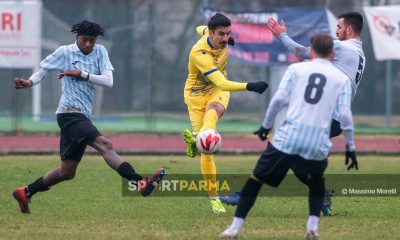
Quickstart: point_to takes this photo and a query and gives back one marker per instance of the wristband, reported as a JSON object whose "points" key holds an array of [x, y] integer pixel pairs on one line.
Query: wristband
{"points": [[85, 75]]}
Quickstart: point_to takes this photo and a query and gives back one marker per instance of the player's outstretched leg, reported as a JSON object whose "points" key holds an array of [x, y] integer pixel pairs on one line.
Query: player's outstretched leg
{"points": [[147, 184], [232, 200], [190, 140], [327, 205], [23, 201]]}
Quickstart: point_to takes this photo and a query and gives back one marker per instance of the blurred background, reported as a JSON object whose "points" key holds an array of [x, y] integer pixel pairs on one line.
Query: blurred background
{"points": [[149, 42]]}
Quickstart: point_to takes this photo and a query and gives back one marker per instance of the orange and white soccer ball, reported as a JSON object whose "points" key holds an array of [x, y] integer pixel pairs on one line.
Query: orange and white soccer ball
{"points": [[208, 141]]}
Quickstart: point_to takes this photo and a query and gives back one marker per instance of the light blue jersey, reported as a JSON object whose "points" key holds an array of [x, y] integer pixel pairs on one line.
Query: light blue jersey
{"points": [[312, 90], [350, 60], [349, 57], [77, 96]]}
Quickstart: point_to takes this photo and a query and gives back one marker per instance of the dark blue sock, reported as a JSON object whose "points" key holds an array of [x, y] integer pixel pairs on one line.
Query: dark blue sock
{"points": [[316, 195], [248, 197]]}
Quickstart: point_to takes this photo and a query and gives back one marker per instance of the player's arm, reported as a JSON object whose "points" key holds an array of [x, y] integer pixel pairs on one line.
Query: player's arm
{"points": [[204, 63], [202, 30], [105, 79], [54, 61], [279, 31], [221, 82], [346, 124], [215, 76], [343, 106], [36, 78]]}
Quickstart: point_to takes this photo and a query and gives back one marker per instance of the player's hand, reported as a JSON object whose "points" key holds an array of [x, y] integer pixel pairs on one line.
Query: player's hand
{"points": [[20, 83], [352, 159], [276, 28], [70, 73], [258, 87], [299, 58], [262, 133]]}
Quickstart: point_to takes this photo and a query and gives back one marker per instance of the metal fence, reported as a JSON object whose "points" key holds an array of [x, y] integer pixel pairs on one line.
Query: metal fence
{"points": [[149, 43]]}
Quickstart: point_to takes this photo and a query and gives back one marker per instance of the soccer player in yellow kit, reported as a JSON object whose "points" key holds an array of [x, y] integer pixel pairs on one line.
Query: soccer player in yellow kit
{"points": [[207, 94]]}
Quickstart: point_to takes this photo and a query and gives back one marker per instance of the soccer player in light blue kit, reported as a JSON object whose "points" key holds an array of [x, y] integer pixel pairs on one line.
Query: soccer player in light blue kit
{"points": [[82, 65], [349, 55], [349, 58], [312, 90]]}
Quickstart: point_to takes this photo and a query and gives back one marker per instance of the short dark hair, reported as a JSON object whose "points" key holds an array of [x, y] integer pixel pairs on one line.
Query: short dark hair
{"points": [[218, 20], [353, 19], [322, 44], [87, 28]]}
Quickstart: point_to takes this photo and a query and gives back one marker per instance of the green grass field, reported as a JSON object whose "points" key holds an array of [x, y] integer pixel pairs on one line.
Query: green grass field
{"points": [[92, 207]]}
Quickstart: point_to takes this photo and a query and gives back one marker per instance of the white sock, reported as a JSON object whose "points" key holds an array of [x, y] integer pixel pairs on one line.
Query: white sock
{"points": [[312, 223], [214, 198], [237, 223]]}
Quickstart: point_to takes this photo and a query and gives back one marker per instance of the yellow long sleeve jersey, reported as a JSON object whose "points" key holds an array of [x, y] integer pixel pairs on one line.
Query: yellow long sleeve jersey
{"points": [[207, 68]]}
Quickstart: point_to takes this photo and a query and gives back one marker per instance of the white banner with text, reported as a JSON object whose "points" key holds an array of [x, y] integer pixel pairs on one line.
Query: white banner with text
{"points": [[20, 34]]}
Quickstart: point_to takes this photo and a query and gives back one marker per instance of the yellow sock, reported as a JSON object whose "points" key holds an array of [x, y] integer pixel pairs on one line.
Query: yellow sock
{"points": [[209, 172], [210, 120]]}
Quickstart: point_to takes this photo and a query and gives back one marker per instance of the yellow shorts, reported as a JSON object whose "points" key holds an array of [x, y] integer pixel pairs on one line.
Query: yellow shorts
{"points": [[197, 106]]}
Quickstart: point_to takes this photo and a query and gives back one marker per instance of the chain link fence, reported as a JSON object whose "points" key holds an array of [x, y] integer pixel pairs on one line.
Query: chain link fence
{"points": [[149, 44]]}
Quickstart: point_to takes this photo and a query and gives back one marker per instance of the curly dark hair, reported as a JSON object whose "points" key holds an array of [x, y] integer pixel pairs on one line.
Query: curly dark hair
{"points": [[87, 28]]}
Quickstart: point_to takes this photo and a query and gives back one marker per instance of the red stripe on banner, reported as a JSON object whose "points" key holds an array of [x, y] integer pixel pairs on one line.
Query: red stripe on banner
{"points": [[251, 33], [258, 57]]}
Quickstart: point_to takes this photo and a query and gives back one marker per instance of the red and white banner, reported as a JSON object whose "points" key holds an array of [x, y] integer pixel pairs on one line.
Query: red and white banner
{"points": [[384, 25], [20, 34]]}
